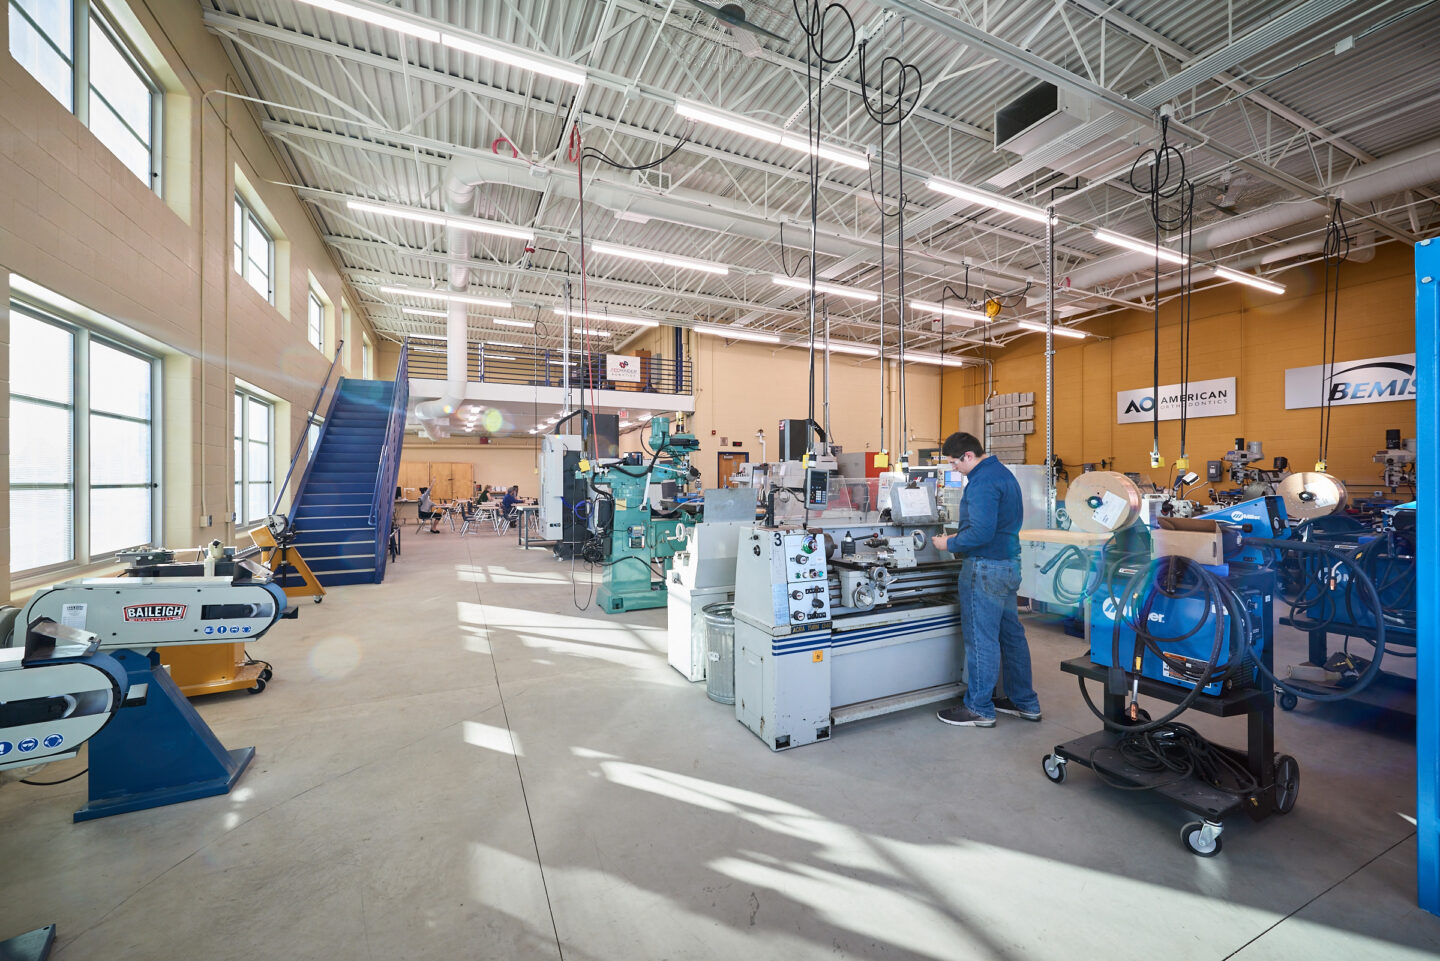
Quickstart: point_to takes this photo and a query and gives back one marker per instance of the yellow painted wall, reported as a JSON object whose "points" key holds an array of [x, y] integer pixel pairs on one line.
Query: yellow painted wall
{"points": [[74, 220], [1236, 331]]}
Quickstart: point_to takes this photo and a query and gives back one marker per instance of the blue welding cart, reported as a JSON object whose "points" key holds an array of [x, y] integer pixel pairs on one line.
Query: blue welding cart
{"points": [[1238, 690]]}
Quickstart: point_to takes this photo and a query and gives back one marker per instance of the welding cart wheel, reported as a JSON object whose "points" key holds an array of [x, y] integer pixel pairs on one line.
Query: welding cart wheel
{"points": [[266, 674], [259, 686], [1288, 701], [1199, 842], [1287, 783], [1054, 767], [318, 598]]}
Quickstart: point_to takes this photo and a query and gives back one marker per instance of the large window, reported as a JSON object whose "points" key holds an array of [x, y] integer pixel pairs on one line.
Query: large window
{"points": [[315, 320], [100, 80], [82, 444], [254, 427], [254, 250], [367, 366]]}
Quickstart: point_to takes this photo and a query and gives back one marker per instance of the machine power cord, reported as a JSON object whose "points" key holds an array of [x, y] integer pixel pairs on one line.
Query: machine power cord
{"points": [[53, 783], [1182, 751]]}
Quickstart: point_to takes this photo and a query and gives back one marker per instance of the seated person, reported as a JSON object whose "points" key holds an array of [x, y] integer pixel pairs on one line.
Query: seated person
{"points": [[428, 510], [482, 494], [508, 502]]}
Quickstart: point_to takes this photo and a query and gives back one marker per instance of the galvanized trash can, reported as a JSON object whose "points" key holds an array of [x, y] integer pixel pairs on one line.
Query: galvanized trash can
{"points": [[720, 652]]}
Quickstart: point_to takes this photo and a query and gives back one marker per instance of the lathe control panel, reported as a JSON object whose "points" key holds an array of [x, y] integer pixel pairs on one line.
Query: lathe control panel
{"points": [[797, 561]]}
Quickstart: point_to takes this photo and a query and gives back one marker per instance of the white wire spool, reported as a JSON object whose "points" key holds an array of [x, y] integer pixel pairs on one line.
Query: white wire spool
{"points": [[1102, 501], [1311, 494]]}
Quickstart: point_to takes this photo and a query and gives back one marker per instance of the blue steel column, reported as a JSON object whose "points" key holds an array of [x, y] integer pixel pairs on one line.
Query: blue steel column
{"points": [[1427, 425]]}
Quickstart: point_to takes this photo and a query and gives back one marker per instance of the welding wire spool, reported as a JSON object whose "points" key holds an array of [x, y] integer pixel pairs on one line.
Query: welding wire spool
{"points": [[1310, 494], [1087, 493]]}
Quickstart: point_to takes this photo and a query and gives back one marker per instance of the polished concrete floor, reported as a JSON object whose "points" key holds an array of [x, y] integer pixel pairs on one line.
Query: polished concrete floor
{"points": [[466, 762]]}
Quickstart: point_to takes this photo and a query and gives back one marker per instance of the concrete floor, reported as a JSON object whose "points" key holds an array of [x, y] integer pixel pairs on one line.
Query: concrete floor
{"points": [[459, 763]]}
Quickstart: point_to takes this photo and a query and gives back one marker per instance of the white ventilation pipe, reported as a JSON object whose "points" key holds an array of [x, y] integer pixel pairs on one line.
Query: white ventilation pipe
{"points": [[1404, 170], [434, 415]]}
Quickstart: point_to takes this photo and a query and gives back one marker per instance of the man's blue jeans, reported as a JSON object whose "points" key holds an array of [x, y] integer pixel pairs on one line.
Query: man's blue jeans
{"points": [[994, 635]]}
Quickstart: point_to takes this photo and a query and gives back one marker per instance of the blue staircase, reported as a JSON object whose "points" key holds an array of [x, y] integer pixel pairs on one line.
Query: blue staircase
{"points": [[340, 531]]}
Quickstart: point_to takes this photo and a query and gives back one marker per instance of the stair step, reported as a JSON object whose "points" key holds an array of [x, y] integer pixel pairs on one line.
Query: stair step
{"points": [[341, 579], [328, 538], [332, 499]]}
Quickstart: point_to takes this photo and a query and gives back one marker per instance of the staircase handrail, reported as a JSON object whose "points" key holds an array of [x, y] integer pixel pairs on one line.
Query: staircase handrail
{"points": [[389, 465], [309, 420]]}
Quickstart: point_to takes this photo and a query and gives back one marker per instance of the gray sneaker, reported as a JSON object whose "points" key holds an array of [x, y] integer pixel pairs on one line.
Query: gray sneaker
{"points": [[1006, 706], [962, 716]]}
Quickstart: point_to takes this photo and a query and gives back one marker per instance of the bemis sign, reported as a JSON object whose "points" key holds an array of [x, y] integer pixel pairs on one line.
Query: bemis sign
{"points": [[1204, 398], [1376, 380]]}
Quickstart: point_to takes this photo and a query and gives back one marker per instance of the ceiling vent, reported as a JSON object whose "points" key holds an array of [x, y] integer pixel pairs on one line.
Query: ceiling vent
{"points": [[656, 180], [1040, 115]]}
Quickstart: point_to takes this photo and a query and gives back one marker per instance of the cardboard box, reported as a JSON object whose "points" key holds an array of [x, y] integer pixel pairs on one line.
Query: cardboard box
{"points": [[1203, 547]]}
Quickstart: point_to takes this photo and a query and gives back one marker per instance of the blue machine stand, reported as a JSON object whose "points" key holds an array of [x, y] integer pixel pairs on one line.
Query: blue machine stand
{"points": [[30, 946], [158, 751]]}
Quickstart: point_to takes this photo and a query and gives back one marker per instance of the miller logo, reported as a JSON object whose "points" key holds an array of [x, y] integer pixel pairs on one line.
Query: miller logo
{"points": [[155, 612]]}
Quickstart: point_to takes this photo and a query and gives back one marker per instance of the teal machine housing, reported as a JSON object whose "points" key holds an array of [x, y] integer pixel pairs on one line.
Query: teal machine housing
{"points": [[639, 539]]}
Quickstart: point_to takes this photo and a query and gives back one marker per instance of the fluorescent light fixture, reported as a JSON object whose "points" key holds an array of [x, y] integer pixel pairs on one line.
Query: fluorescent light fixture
{"points": [[859, 350], [1130, 243], [960, 313], [994, 201], [656, 257], [561, 363], [512, 323], [368, 15], [1040, 328], [426, 217], [934, 360], [772, 135], [422, 313], [498, 357], [447, 296], [591, 315], [1249, 280], [427, 350], [498, 343], [490, 51], [591, 333], [534, 430], [823, 288], [426, 337], [626, 423], [736, 333]]}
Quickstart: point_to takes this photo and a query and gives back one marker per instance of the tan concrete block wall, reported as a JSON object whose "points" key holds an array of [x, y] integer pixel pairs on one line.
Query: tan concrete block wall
{"points": [[73, 219]]}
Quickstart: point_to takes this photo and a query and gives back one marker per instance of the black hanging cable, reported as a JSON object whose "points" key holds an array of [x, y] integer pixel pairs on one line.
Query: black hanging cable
{"points": [[1166, 183], [1336, 252], [888, 113]]}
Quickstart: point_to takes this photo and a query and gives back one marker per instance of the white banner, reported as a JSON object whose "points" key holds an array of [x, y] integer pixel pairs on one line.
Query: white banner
{"points": [[622, 368], [1206, 398], [1375, 380]]}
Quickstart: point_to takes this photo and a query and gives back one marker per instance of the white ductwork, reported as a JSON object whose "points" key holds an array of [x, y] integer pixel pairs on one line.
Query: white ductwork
{"points": [[1404, 170], [434, 415]]}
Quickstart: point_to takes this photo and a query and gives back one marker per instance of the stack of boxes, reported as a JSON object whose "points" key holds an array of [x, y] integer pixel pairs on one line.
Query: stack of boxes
{"points": [[1009, 419]]}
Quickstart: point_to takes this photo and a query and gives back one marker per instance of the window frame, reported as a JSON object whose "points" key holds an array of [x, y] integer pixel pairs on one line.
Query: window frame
{"points": [[315, 326], [78, 60], [82, 336], [246, 215], [243, 397]]}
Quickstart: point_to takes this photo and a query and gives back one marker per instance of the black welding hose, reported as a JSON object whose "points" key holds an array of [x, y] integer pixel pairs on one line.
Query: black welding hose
{"points": [[1358, 575]]}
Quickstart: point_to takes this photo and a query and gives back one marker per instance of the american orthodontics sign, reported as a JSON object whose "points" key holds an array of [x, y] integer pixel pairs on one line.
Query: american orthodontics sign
{"points": [[1203, 398], [1375, 380]]}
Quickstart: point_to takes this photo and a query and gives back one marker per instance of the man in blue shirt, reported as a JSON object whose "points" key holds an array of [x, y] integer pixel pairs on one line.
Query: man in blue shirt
{"points": [[988, 543], [508, 502]]}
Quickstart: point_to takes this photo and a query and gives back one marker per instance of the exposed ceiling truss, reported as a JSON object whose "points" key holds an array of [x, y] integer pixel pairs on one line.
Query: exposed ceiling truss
{"points": [[1275, 104]]}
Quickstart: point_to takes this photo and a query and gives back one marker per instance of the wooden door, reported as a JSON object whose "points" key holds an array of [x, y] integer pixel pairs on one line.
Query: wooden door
{"points": [[462, 478], [441, 481], [729, 463], [413, 476]]}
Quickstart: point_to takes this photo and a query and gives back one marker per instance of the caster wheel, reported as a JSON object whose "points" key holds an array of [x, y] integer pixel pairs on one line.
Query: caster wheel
{"points": [[1200, 841], [1287, 783], [1054, 768], [259, 686], [266, 674], [1288, 701], [319, 599]]}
